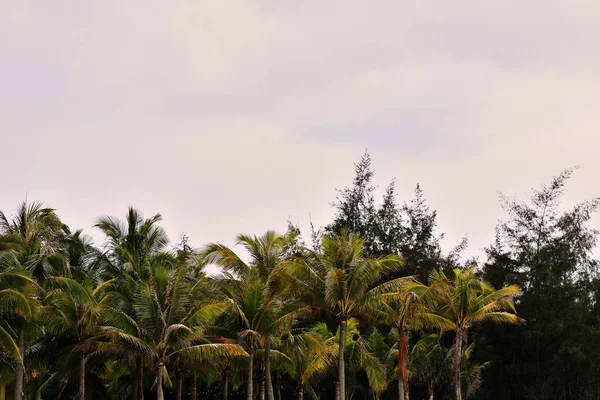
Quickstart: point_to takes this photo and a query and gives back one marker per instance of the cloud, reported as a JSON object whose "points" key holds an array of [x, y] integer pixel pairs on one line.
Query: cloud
{"points": [[233, 117]]}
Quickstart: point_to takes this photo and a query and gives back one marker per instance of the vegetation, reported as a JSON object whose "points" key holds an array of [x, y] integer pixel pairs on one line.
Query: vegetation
{"points": [[372, 309]]}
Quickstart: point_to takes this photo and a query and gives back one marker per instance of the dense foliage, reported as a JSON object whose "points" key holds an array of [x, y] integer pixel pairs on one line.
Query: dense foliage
{"points": [[372, 308]]}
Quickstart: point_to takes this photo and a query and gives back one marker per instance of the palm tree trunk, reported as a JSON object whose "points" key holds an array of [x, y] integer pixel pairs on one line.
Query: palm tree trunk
{"points": [[194, 386], [2, 391], [277, 386], [402, 360], [262, 388], [457, 357], [141, 378], [341, 366], [269, 382], [19, 394], [179, 384], [159, 381], [225, 385], [250, 375], [400, 389], [134, 384], [82, 376], [300, 392]]}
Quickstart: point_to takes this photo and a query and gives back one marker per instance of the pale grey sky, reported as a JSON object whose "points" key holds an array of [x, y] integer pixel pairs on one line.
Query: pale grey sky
{"points": [[231, 116]]}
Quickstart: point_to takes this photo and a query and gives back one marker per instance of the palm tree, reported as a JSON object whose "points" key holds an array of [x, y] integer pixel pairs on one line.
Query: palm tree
{"points": [[18, 307], [340, 280], [15, 292], [32, 241], [429, 361], [366, 353], [130, 246], [471, 370], [259, 313], [308, 354], [171, 317], [35, 237], [6, 372], [255, 317], [132, 243], [402, 310], [455, 305], [433, 364], [76, 309]]}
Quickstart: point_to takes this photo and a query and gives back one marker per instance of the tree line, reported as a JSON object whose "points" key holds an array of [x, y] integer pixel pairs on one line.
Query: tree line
{"points": [[366, 307]]}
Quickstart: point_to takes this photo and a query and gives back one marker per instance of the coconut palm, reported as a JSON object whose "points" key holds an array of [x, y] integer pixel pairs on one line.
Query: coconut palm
{"points": [[456, 305], [255, 317], [35, 238], [18, 308], [340, 280], [471, 370], [130, 247], [76, 309], [15, 302], [401, 310], [260, 313], [131, 243], [6, 373], [171, 316], [365, 353], [430, 362], [85, 261], [31, 241], [309, 353]]}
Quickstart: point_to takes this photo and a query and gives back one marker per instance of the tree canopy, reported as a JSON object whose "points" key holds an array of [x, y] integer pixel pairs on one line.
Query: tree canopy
{"points": [[375, 307]]}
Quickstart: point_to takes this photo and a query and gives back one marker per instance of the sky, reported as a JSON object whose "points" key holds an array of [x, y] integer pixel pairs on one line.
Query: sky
{"points": [[235, 116]]}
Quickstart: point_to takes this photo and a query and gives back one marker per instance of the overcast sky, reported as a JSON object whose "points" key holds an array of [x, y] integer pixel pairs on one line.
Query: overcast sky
{"points": [[233, 116]]}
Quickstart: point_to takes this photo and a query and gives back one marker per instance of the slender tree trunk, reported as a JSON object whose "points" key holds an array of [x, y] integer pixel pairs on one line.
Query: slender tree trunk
{"points": [[300, 393], [82, 376], [250, 375], [194, 386], [159, 381], [402, 360], [179, 383], [277, 386], [400, 389], [430, 393], [225, 385], [262, 388], [38, 395], [269, 382], [2, 391], [457, 358], [341, 366], [141, 378], [19, 393], [135, 383]]}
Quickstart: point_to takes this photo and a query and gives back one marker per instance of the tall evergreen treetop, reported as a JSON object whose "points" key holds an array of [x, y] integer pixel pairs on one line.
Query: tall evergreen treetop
{"points": [[355, 205]]}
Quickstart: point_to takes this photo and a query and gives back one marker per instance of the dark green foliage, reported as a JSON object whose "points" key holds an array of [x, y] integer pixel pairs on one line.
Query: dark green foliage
{"points": [[408, 229], [355, 207], [141, 312], [546, 250]]}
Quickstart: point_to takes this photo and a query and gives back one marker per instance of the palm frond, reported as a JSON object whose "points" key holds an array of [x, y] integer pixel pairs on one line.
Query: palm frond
{"points": [[213, 351]]}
